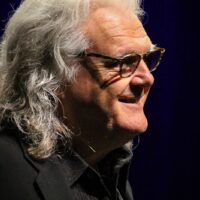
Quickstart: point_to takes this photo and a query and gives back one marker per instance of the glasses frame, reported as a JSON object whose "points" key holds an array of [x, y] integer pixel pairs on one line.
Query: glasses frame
{"points": [[120, 61]]}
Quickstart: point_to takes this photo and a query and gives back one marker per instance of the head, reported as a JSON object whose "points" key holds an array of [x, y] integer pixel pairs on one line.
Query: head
{"points": [[49, 92], [107, 107]]}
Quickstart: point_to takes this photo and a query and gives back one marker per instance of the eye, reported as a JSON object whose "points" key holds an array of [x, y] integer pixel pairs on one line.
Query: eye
{"points": [[152, 59], [129, 64], [131, 60], [109, 63]]}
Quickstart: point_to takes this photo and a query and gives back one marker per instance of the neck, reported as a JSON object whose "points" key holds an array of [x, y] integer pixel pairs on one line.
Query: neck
{"points": [[94, 151], [91, 153], [93, 142]]}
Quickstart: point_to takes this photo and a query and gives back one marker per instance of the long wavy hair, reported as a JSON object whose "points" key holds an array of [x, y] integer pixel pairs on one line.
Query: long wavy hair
{"points": [[34, 61]]}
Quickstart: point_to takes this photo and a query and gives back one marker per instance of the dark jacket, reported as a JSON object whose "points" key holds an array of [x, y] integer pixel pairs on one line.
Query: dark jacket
{"points": [[23, 178]]}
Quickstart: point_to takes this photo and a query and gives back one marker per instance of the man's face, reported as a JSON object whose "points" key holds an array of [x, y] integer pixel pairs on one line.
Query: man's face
{"points": [[116, 109]]}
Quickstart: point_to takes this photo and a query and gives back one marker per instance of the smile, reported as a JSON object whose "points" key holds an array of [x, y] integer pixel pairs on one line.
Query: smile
{"points": [[126, 99], [136, 95]]}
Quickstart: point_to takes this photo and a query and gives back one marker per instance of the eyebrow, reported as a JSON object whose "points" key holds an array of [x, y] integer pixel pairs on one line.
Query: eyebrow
{"points": [[152, 47], [117, 58]]}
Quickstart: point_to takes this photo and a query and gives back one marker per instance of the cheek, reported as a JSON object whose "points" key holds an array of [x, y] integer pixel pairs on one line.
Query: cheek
{"points": [[87, 95], [82, 89], [87, 88]]}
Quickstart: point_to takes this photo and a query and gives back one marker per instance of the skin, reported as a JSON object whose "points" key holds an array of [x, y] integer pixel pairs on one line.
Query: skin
{"points": [[100, 120]]}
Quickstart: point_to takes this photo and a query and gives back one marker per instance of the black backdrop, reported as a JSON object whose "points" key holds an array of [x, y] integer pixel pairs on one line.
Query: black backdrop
{"points": [[165, 165]]}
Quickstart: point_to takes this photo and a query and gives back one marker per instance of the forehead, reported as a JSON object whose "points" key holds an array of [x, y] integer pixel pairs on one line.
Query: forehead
{"points": [[115, 31]]}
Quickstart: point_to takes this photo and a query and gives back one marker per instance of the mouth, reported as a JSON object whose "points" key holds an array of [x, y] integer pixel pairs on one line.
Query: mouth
{"points": [[132, 98], [127, 99]]}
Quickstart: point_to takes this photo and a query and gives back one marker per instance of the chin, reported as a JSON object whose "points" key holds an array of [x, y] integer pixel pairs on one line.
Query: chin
{"points": [[135, 124]]}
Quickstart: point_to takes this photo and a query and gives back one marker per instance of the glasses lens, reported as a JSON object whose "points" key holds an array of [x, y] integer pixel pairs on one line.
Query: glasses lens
{"points": [[152, 59], [129, 65]]}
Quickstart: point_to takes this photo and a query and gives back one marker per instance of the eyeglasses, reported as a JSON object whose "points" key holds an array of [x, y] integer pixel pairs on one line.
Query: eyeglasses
{"points": [[129, 63]]}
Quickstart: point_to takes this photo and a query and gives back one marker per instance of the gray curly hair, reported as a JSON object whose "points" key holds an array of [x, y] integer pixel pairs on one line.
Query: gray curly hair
{"points": [[34, 60]]}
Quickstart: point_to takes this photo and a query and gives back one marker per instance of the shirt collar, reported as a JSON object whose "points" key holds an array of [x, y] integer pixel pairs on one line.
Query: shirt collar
{"points": [[75, 166]]}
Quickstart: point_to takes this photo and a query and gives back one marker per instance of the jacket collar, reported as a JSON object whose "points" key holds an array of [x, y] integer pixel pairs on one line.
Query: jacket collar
{"points": [[56, 176], [74, 167], [52, 183], [50, 179]]}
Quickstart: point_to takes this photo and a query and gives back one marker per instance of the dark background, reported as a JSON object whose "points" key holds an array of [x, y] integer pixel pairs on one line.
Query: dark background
{"points": [[165, 165]]}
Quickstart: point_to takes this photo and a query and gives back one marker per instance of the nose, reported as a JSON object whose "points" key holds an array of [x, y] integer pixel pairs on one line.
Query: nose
{"points": [[142, 76]]}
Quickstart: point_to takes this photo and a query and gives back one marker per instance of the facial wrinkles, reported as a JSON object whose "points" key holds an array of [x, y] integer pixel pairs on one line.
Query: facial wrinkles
{"points": [[129, 38], [116, 34], [118, 30]]}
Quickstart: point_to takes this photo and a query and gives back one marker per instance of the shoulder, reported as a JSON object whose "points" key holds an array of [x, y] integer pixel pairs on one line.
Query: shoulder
{"points": [[12, 158], [17, 176], [9, 146], [13, 154]]}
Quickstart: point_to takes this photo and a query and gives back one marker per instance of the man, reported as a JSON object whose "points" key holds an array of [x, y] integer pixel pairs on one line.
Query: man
{"points": [[75, 76]]}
